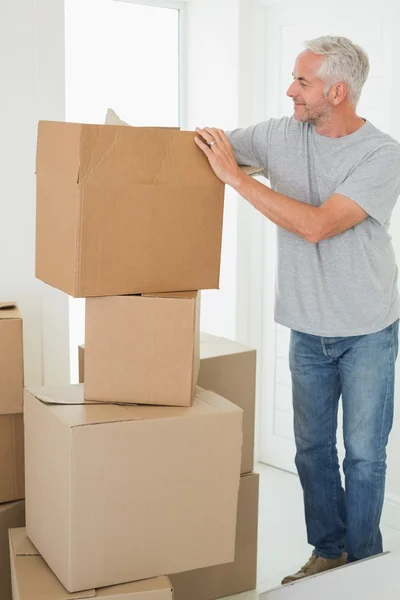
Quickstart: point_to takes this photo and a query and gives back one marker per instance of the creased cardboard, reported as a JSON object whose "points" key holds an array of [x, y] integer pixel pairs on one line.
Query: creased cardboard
{"points": [[229, 369], [11, 458], [125, 210], [142, 349], [121, 493], [11, 515], [34, 580], [11, 359], [239, 576]]}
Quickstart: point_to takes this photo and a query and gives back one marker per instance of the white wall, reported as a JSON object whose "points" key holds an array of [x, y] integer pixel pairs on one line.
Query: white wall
{"points": [[31, 67]]}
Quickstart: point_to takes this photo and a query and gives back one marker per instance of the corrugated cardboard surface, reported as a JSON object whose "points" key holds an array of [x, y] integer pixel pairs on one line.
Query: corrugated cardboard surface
{"points": [[121, 493], [142, 349], [233, 578], [11, 458], [34, 580], [124, 210], [11, 515], [11, 359], [229, 369]]}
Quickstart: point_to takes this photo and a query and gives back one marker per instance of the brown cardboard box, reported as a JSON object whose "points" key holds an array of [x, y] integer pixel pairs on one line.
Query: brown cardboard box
{"points": [[241, 575], [228, 368], [118, 493], [34, 580], [125, 210], [11, 359], [11, 515], [11, 458], [142, 349]]}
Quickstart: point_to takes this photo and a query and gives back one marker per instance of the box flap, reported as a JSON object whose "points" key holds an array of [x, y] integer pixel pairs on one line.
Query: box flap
{"points": [[21, 544], [78, 414], [9, 310], [212, 346], [184, 295], [33, 578], [136, 587]]}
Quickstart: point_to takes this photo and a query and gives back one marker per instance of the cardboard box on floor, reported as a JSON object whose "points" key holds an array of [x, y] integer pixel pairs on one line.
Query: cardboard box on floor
{"points": [[241, 575], [125, 210], [118, 493], [11, 515], [142, 349], [12, 484], [34, 580], [11, 359], [375, 578], [227, 368]]}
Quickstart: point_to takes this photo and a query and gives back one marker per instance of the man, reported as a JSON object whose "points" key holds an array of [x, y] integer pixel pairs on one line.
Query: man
{"points": [[334, 179]]}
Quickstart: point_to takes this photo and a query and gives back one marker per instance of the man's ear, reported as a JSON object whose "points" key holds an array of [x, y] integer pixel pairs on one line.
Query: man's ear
{"points": [[338, 93]]}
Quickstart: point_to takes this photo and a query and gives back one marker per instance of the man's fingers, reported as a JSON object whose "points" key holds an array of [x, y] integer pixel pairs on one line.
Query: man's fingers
{"points": [[205, 134], [203, 146]]}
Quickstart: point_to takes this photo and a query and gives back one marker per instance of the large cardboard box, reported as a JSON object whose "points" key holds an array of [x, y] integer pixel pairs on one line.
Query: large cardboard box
{"points": [[32, 579], [143, 349], [11, 515], [11, 458], [125, 210], [11, 359], [241, 575], [229, 369], [118, 493]]}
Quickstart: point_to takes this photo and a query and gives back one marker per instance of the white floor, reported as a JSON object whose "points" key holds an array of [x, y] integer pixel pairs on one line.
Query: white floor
{"points": [[282, 540]]}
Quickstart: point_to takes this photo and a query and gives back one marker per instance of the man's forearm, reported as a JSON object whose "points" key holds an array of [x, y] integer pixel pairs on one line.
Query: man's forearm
{"points": [[297, 217]]}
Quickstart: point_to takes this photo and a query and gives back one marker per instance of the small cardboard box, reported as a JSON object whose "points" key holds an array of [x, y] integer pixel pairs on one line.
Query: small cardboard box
{"points": [[241, 575], [228, 368], [125, 210], [32, 579], [118, 493], [11, 359], [11, 515], [142, 349], [11, 458]]}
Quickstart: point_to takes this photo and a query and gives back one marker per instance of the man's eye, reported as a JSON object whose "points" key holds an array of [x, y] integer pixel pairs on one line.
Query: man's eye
{"points": [[302, 84]]}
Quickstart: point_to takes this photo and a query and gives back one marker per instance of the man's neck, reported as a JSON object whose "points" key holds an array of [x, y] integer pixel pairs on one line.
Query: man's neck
{"points": [[340, 125]]}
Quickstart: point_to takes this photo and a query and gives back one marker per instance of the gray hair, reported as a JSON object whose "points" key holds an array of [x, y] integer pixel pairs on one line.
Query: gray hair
{"points": [[344, 61]]}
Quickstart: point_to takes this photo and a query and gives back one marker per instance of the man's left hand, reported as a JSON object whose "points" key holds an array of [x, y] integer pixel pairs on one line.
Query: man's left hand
{"points": [[218, 150]]}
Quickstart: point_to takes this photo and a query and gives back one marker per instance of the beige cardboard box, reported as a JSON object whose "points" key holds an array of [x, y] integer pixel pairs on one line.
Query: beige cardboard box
{"points": [[32, 579], [142, 349], [118, 493], [11, 359], [125, 210], [11, 515], [229, 369], [11, 458], [241, 575]]}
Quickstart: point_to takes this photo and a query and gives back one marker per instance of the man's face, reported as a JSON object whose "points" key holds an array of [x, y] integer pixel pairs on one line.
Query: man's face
{"points": [[307, 90]]}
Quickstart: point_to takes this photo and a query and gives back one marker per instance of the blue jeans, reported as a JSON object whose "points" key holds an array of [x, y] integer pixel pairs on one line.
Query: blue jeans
{"points": [[361, 370]]}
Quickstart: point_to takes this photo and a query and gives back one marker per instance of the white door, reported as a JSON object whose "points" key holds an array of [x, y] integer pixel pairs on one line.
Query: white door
{"points": [[372, 25]]}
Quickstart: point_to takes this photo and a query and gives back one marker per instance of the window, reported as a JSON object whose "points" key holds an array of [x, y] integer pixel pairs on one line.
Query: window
{"points": [[124, 56]]}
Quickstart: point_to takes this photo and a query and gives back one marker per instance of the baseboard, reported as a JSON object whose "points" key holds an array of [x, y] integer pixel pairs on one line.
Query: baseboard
{"points": [[391, 511]]}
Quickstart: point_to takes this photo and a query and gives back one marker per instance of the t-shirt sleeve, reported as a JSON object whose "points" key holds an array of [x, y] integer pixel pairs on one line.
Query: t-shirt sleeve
{"points": [[374, 184], [251, 145]]}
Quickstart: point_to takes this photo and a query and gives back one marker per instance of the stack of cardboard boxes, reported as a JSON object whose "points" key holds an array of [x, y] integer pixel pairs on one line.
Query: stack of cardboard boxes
{"points": [[136, 474], [12, 506]]}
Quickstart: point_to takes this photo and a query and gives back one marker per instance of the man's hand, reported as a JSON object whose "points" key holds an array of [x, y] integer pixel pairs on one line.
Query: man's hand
{"points": [[218, 150]]}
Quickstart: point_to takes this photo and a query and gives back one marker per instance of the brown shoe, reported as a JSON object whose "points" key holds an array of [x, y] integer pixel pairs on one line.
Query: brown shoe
{"points": [[315, 565]]}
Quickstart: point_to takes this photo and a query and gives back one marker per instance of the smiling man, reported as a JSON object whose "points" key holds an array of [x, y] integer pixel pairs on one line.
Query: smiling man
{"points": [[335, 179]]}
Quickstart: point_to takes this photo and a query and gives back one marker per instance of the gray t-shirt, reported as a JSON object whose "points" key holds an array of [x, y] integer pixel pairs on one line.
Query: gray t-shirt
{"points": [[347, 284]]}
